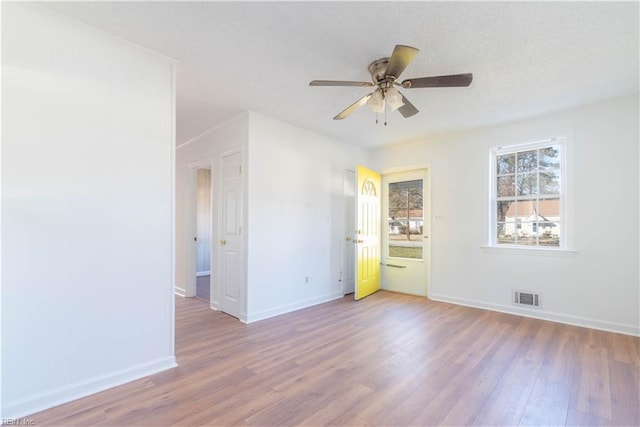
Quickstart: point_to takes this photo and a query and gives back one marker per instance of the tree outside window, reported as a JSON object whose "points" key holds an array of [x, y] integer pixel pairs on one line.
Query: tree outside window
{"points": [[406, 219]]}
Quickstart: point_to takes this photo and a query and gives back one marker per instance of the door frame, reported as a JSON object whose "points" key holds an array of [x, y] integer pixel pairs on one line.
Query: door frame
{"points": [[427, 231], [347, 248], [190, 222]]}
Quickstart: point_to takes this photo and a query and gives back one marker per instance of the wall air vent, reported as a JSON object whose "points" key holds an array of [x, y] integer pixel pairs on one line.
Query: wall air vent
{"points": [[526, 298]]}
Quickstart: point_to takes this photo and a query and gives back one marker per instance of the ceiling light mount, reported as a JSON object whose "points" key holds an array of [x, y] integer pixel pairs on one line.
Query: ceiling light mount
{"points": [[378, 70]]}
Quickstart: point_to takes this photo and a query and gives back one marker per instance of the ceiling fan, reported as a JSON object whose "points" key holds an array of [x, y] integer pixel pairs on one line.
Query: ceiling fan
{"points": [[384, 73]]}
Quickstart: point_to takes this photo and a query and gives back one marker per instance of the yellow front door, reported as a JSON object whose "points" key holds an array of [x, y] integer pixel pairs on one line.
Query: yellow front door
{"points": [[367, 237]]}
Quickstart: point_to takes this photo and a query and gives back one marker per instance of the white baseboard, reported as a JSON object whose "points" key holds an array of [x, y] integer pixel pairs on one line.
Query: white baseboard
{"points": [[180, 292], [288, 308], [203, 273], [48, 399], [602, 325]]}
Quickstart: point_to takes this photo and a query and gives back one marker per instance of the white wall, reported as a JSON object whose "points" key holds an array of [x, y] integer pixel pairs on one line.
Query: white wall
{"points": [[295, 215], [599, 285], [202, 151], [87, 143]]}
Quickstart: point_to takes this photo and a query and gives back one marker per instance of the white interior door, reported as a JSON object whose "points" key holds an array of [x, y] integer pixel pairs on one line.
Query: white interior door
{"points": [[405, 236], [229, 234]]}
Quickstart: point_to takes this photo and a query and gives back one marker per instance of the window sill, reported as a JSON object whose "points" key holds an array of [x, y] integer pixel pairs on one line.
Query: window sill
{"points": [[511, 250]]}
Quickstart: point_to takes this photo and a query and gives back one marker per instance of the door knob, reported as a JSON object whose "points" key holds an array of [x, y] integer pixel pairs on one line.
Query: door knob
{"points": [[222, 242], [348, 239]]}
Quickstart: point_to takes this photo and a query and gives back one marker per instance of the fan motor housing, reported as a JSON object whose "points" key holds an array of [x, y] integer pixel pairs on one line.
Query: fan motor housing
{"points": [[378, 70]]}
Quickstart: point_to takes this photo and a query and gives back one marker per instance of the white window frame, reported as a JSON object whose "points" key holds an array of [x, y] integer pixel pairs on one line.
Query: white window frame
{"points": [[565, 221]]}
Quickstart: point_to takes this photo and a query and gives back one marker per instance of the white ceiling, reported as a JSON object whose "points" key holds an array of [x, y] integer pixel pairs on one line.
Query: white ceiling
{"points": [[527, 58]]}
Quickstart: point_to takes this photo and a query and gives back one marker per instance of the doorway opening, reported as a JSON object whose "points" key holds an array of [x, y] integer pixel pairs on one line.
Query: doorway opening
{"points": [[200, 231], [402, 222], [347, 273], [203, 233], [405, 238]]}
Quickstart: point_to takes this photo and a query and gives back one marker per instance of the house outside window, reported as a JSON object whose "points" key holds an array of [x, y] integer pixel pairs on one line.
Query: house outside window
{"points": [[527, 195]]}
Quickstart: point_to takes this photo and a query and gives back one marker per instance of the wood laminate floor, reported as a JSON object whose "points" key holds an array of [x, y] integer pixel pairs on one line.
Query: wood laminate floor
{"points": [[389, 359], [203, 289]]}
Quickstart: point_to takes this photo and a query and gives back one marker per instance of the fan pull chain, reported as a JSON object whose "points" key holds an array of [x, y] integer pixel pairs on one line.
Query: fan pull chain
{"points": [[385, 113]]}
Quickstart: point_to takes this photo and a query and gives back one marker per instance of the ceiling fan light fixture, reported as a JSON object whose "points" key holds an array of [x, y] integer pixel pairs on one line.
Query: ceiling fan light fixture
{"points": [[394, 99], [384, 75], [376, 102]]}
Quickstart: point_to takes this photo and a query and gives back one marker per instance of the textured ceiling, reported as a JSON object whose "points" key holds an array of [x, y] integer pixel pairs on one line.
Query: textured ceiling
{"points": [[527, 58]]}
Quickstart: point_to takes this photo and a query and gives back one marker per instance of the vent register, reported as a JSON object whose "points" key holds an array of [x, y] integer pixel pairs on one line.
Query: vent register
{"points": [[526, 298]]}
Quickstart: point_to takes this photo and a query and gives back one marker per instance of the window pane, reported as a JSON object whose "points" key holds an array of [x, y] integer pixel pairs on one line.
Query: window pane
{"points": [[550, 182], [549, 209], [505, 164], [410, 252], [549, 234], [549, 158], [505, 210], [527, 210], [527, 233], [397, 213], [505, 233], [527, 183], [406, 217], [527, 161], [506, 186], [549, 222]]}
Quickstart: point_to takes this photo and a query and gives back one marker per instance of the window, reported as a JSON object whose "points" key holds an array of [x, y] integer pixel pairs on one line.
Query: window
{"points": [[406, 219], [527, 195]]}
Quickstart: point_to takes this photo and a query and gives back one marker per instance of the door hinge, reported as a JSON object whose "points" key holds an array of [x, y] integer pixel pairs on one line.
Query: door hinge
{"points": [[240, 169]]}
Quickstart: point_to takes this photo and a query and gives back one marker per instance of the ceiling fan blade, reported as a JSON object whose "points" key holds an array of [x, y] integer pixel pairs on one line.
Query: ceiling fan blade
{"points": [[339, 83], [407, 110], [353, 107], [400, 59], [454, 80]]}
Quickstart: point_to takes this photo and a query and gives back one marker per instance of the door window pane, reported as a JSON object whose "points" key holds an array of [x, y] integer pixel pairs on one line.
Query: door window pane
{"points": [[406, 219]]}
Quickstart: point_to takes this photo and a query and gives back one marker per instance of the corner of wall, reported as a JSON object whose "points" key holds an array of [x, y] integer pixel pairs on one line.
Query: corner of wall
{"points": [[41, 401]]}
